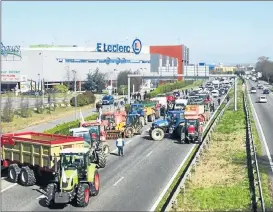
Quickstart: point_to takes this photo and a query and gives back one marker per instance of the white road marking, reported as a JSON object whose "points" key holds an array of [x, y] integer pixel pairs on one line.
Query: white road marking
{"points": [[128, 142], [262, 134], [9, 187], [147, 130], [171, 181], [118, 181], [149, 154], [41, 197]]}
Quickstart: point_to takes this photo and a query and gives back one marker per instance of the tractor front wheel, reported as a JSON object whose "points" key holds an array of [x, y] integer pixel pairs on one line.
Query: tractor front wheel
{"points": [[157, 134], [106, 148], [83, 195], [96, 183], [50, 192]]}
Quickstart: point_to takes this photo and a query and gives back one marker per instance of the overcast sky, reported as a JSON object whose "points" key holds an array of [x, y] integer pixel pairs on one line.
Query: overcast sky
{"points": [[228, 32]]}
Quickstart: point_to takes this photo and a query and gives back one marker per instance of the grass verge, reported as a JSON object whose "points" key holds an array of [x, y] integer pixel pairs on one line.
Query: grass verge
{"points": [[264, 169], [20, 123], [182, 170], [221, 181]]}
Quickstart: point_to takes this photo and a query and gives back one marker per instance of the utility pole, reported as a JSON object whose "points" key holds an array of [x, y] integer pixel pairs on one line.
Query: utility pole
{"points": [[235, 94], [129, 90], [75, 91]]}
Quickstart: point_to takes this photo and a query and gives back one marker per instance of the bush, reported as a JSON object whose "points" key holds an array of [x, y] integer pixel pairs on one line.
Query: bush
{"points": [[63, 129], [25, 110], [91, 97], [83, 99], [8, 111]]}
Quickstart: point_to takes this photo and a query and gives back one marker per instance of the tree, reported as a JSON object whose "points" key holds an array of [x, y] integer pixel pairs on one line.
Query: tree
{"points": [[8, 111], [95, 81], [265, 66], [68, 78], [25, 110], [123, 80], [61, 88]]}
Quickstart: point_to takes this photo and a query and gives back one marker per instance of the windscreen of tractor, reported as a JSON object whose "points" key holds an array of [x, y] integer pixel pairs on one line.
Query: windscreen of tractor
{"points": [[72, 161], [130, 120], [84, 135]]}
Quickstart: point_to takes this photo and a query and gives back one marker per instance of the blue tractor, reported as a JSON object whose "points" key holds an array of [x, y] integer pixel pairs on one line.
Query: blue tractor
{"points": [[171, 125], [138, 109]]}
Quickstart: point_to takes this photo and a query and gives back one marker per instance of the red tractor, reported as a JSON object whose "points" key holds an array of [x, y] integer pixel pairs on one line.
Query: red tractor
{"points": [[191, 130]]}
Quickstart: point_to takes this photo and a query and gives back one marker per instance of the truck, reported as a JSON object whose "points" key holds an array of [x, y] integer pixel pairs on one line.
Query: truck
{"points": [[28, 155]]}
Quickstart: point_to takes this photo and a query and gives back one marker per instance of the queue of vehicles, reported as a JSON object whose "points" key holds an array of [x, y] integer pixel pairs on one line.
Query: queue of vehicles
{"points": [[69, 164], [265, 91]]}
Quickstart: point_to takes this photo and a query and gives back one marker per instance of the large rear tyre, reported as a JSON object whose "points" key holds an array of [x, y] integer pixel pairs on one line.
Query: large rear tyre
{"points": [[106, 148], [96, 184], [13, 173], [27, 177], [157, 134], [50, 192], [129, 132], [83, 195], [101, 159]]}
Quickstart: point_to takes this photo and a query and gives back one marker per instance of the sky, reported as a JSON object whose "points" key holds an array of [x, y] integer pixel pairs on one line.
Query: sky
{"points": [[227, 32]]}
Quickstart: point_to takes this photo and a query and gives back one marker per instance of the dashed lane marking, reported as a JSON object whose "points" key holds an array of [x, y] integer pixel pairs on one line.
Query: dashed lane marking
{"points": [[118, 181]]}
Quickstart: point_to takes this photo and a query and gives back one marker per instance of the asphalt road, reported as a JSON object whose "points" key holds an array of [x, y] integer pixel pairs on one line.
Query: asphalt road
{"points": [[129, 183], [264, 112]]}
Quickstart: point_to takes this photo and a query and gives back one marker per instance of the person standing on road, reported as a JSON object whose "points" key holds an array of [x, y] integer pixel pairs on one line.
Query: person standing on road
{"points": [[125, 100], [227, 98], [120, 143], [219, 101]]}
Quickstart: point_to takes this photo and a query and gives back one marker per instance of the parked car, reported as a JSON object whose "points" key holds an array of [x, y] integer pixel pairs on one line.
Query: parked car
{"points": [[108, 100]]}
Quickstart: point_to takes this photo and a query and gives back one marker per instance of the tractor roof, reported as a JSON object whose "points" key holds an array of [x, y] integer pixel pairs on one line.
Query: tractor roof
{"points": [[74, 151], [79, 129]]}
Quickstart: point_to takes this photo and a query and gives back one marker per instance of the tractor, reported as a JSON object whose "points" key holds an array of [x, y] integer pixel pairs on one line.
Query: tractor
{"points": [[170, 125], [75, 178], [191, 130], [94, 138], [133, 125]]}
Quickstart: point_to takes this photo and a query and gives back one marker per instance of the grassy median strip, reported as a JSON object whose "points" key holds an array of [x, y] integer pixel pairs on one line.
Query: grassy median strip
{"points": [[263, 167], [220, 182], [20, 123]]}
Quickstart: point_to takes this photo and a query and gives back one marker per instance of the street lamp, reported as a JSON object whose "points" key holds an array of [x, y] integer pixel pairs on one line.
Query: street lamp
{"points": [[42, 84], [75, 91]]}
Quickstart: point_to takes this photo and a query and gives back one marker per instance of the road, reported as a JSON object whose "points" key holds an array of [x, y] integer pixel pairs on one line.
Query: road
{"points": [[264, 113], [130, 183]]}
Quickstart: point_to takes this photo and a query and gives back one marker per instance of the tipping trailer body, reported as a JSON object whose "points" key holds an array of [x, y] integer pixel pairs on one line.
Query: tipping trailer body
{"points": [[35, 149], [196, 110]]}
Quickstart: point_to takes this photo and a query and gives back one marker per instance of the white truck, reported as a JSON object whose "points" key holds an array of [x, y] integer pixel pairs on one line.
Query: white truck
{"points": [[216, 83]]}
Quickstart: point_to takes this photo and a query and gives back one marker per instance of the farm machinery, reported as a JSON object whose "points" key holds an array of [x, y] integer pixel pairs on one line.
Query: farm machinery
{"points": [[69, 168], [170, 125]]}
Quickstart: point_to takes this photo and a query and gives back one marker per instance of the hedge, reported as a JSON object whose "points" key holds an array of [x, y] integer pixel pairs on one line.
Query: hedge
{"points": [[168, 87], [63, 129], [83, 99]]}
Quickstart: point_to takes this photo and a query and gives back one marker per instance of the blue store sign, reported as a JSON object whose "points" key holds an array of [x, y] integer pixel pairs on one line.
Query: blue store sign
{"points": [[135, 48]]}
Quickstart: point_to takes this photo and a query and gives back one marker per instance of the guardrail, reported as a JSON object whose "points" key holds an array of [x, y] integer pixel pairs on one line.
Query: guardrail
{"points": [[252, 163], [171, 203]]}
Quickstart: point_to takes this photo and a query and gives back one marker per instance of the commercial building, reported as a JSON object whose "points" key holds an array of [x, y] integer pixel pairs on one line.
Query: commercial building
{"points": [[22, 67]]}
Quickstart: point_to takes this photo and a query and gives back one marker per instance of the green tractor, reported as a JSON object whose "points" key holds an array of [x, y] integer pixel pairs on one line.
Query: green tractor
{"points": [[76, 178], [133, 125]]}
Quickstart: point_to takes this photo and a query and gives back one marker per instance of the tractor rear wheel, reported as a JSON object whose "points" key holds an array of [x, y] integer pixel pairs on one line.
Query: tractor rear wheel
{"points": [[157, 134], [106, 148], [83, 195], [101, 159], [27, 177], [50, 192], [129, 132]]}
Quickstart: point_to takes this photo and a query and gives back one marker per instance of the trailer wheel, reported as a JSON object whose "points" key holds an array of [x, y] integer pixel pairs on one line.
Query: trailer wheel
{"points": [[96, 183], [27, 177], [129, 132], [13, 173], [157, 134], [50, 192], [101, 159], [83, 195], [106, 148]]}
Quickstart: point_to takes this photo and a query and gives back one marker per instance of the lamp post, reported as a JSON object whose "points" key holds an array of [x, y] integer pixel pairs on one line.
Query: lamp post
{"points": [[42, 83], [75, 91]]}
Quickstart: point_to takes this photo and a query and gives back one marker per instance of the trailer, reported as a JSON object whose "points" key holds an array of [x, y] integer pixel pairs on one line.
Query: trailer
{"points": [[28, 155], [197, 110]]}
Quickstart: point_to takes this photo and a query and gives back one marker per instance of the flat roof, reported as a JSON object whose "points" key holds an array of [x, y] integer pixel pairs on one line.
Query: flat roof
{"points": [[74, 150]]}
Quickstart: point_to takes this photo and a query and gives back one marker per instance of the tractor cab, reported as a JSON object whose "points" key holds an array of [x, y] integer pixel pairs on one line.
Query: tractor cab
{"points": [[132, 119]]}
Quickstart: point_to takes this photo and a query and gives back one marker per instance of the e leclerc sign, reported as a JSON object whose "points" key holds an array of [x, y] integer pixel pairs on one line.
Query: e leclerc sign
{"points": [[136, 47]]}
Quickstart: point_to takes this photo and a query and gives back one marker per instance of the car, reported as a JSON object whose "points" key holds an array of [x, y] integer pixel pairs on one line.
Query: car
{"points": [[265, 91], [108, 100], [253, 90], [263, 99]]}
